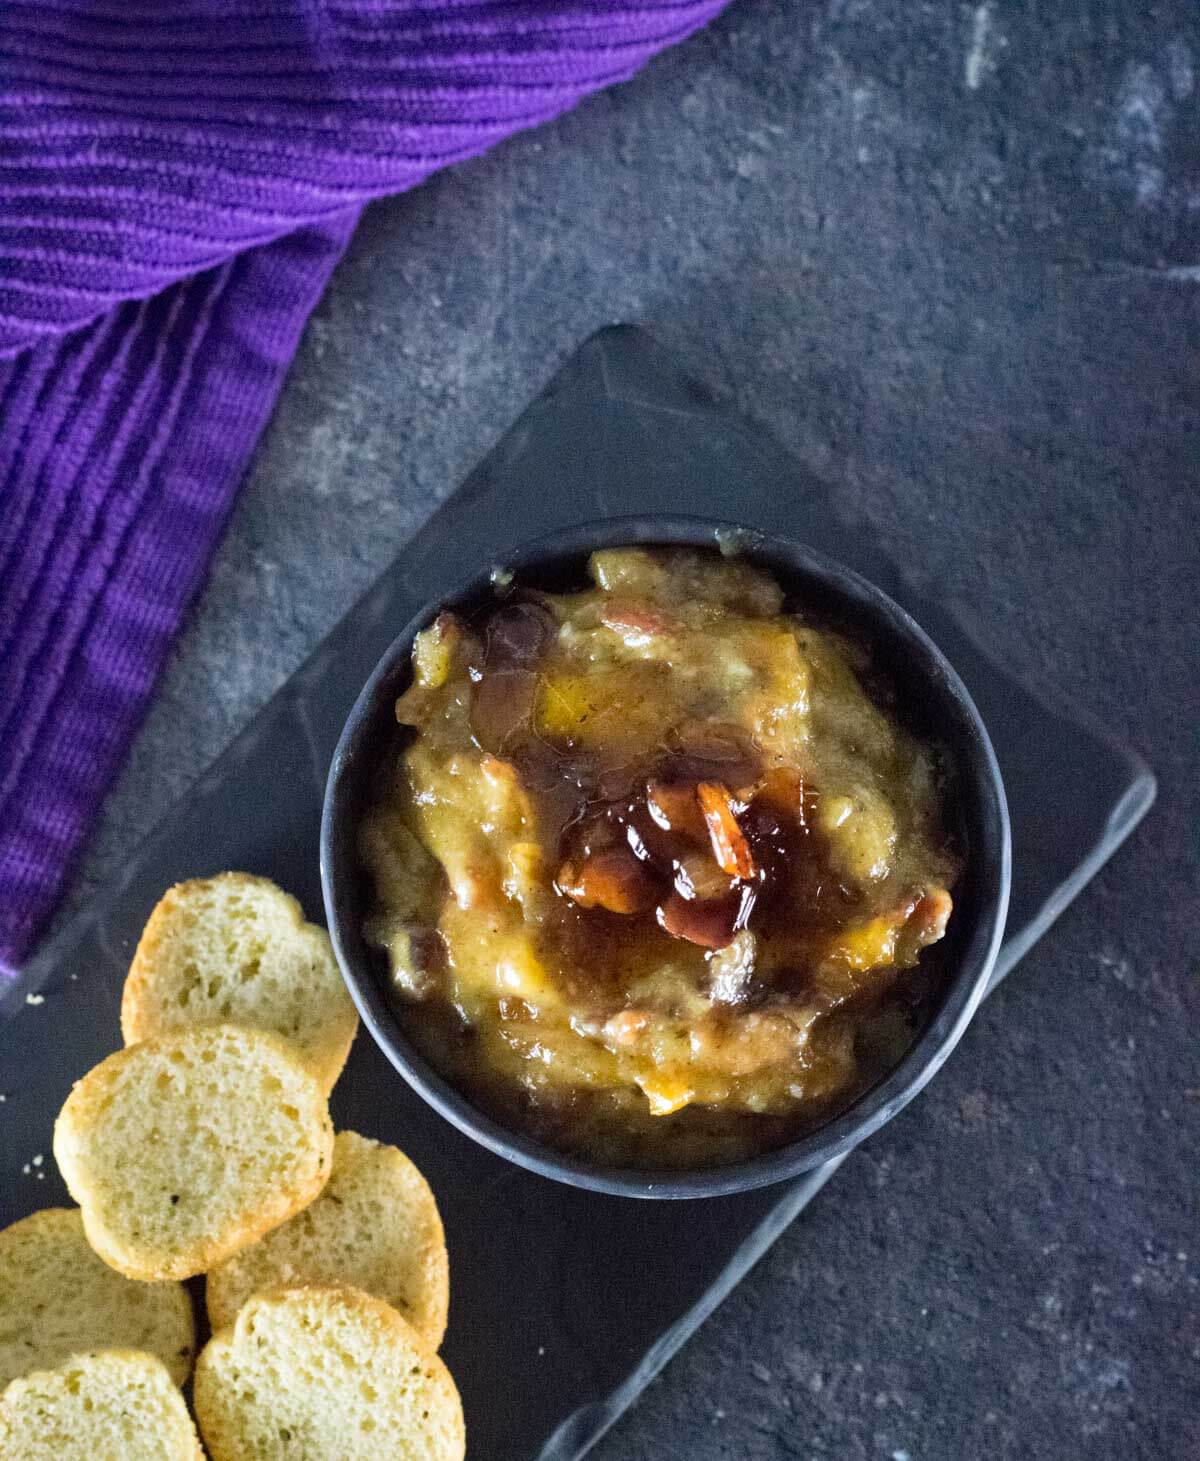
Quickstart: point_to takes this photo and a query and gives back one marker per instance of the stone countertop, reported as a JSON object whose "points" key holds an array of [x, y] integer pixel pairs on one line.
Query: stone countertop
{"points": [[951, 256]]}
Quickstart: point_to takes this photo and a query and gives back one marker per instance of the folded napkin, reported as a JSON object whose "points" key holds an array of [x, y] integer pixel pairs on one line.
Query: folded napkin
{"points": [[177, 180]]}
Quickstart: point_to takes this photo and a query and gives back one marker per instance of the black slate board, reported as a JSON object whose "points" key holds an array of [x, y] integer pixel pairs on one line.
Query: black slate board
{"points": [[565, 1304]]}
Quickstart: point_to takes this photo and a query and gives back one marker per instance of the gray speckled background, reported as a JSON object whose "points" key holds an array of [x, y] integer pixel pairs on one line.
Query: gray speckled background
{"points": [[951, 254]]}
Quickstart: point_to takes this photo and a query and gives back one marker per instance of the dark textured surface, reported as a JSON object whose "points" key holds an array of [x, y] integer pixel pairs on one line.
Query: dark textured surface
{"points": [[975, 309], [559, 1272]]}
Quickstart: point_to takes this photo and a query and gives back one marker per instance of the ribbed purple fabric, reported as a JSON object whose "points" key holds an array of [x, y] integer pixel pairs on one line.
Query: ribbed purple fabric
{"points": [[177, 180]]}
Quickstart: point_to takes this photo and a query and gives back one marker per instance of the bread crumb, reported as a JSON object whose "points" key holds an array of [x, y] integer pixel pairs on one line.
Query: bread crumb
{"points": [[3, 1098], [38, 1160], [41, 1176], [26, 1169], [35, 999]]}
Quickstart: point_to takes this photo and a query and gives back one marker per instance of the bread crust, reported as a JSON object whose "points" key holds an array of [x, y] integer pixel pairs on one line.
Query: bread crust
{"points": [[290, 982], [315, 1322], [57, 1298], [105, 1403], [375, 1227], [145, 1154]]}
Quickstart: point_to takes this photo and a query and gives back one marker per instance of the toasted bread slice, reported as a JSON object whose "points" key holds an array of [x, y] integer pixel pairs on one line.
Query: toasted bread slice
{"points": [[98, 1407], [187, 1147], [375, 1227], [58, 1299], [235, 949], [314, 1373]]}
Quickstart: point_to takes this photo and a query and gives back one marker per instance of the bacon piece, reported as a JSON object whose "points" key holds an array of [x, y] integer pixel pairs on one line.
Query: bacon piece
{"points": [[637, 616], [674, 808], [696, 876], [612, 878], [927, 922], [625, 1027], [729, 844], [709, 922]]}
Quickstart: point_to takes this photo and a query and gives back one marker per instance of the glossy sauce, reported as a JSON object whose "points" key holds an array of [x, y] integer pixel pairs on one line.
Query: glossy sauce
{"points": [[652, 869]]}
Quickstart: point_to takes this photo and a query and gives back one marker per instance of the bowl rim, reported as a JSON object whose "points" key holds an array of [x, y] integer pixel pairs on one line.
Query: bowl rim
{"points": [[966, 984]]}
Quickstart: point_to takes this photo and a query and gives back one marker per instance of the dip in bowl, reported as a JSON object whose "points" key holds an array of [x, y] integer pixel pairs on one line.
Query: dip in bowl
{"points": [[653, 863]]}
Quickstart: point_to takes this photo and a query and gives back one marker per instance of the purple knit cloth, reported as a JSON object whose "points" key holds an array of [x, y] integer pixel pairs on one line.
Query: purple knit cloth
{"points": [[177, 180]]}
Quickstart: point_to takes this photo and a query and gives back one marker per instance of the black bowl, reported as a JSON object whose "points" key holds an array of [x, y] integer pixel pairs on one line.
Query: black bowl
{"points": [[934, 702]]}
